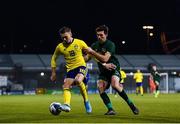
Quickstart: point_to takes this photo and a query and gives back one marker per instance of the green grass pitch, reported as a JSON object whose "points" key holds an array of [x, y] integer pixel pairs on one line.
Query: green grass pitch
{"points": [[34, 109]]}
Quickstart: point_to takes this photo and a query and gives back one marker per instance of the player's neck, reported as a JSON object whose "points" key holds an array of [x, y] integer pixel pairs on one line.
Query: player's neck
{"points": [[70, 41], [102, 41]]}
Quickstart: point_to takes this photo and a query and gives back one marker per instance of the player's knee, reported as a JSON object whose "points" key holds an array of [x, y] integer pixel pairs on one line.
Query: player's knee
{"points": [[157, 83], [100, 89], [101, 86], [77, 81], [66, 86], [115, 85]]}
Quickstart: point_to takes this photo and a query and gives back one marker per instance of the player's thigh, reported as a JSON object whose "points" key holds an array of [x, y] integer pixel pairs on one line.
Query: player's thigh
{"points": [[156, 83], [115, 78], [79, 78], [68, 82], [115, 83], [81, 74]]}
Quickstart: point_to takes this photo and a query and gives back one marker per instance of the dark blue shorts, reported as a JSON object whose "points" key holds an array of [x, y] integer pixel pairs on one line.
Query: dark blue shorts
{"points": [[82, 70], [138, 84]]}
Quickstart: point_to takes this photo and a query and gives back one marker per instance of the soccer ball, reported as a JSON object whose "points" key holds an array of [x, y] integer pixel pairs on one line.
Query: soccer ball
{"points": [[54, 108]]}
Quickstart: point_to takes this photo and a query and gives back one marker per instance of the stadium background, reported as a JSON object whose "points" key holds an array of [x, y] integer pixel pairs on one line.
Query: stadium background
{"points": [[26, 74], [28, 27], [29, 34]]}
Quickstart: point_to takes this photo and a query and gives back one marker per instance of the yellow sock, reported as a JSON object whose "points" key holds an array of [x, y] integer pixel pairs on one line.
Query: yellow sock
{"points": [[137, 90], [67, 96], [141, 90], [83, 91]]}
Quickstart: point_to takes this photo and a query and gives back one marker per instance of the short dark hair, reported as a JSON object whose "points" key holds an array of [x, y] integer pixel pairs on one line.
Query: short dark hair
{"points": [[64, 30], [102, 28]]}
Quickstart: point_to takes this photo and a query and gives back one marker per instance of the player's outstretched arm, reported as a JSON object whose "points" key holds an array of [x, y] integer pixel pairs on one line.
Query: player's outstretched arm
{"points": [[100, 57], [53, 64], [53, 74]]}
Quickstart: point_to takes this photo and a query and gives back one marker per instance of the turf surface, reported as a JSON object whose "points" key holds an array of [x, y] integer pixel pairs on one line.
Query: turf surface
{"points": [[34, 109]]}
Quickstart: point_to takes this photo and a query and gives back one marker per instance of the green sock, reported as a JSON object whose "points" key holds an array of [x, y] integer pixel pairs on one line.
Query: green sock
{"points": [[124, 96], [129, 101], [106, 101]]}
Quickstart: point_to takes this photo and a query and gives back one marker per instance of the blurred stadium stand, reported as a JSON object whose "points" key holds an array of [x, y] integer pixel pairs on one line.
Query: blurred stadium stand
{"points": [[28, 61], [168, 62], [36, 70], [137, 61], [6, 62], [128, 62]]}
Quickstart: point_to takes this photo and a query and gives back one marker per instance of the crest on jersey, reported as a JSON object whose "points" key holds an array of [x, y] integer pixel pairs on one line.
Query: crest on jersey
{"points": [[75, 46]]}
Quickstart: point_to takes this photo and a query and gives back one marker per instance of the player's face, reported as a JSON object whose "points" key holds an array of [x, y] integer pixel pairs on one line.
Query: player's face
{"points": [[101, 36], [154, 68], [67, 37]]}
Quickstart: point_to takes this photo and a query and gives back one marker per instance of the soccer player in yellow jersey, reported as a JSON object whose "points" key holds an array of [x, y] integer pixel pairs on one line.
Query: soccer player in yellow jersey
{"points": [[138, 76], [71, 48], [123, 76]]}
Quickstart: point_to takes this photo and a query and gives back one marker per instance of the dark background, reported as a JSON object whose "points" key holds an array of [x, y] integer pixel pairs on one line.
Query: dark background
{"points": [[29, 26]]}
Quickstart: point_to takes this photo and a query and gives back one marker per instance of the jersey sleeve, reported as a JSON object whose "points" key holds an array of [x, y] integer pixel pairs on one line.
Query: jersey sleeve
{"points": [[83, 44], [124, 74], [93, 46], [54, 57], [134, 77], [157, 74]]}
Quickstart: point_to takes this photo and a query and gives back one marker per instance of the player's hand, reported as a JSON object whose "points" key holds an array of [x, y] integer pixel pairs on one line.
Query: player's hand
{"points": [[88, 50], [53, 76], [110, 66]]}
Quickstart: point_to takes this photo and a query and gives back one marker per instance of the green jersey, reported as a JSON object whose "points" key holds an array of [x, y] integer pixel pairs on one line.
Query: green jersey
{"points": [[156, 76], [102, 48]]}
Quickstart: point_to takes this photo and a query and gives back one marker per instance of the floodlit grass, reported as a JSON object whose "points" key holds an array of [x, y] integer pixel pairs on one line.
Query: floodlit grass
{"points": [[34, 109]]}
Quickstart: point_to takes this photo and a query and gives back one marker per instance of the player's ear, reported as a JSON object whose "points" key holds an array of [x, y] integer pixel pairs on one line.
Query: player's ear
{"points": [[106, 35]]}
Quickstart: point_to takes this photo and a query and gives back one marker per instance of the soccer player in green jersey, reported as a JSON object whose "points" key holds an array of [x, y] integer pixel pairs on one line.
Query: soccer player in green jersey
{"points": [[103, 51], [156, 77]]}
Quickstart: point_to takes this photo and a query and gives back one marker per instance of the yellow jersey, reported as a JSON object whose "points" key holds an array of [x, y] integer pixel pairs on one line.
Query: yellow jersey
{"points": [[123, 76], [72, 53], [138, 76]]}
